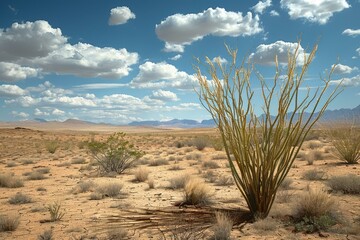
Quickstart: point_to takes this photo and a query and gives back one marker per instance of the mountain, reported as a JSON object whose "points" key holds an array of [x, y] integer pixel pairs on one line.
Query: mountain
{"points": [[344, 114]]}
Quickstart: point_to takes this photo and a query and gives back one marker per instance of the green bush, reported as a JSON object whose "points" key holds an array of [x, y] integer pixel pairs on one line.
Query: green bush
{"points": [[52, 146], [116, 154]]}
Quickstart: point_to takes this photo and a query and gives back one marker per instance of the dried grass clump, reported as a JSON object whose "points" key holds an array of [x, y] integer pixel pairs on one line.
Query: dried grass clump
{"points": [[9, 223], [78, 161], [109, 189], [179, 182], [84, 186], [265, 225], [46, 235], [158, 162], [35, 175], [117, 234], [51, 146], [210, 164], [20, 198], [346, 140], [141, 174], [347, 184], [314, 175], [263, 148], [222, 229], [196, 193], [10, 181]]}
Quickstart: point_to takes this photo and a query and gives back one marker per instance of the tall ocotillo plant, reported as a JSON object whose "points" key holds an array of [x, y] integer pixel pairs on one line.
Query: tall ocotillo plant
{"points": [[261, 150]]}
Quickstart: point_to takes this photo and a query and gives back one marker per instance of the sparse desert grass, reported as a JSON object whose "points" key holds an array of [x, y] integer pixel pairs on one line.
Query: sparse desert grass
{"points": [[20, 198], [284, 196], [196, 192], [27, 161], [35, 175], [347, 184], [217, 144], [78, 161], [10, 164], [314, 211], [9, 222], [265, 225], [64, 164], [314, 144], [175, 167], [225, 181], [314, 174], [141, 174], [52, 145], [10, 181], [110, 189], [200, 143], [43, 170], [210, 164], [151, 183], [285, 185], [41, 189], [210, 176], [223, 226], [46, 235], [158, 162], [346, 141], [84, 186], [179, 182], [117, 234], [56, 213], [219, 156]]}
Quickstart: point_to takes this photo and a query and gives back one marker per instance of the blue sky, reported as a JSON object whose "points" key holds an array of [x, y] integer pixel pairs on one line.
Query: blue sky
{"points": [[122, 61]]}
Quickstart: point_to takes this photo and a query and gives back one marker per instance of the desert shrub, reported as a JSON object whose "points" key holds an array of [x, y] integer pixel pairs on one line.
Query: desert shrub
{"points": [[84, 186], [46, 235], [151, 183], [78, 161], [179, 144], [223, 226], [20, 198], [179, 182], [51, 146], [141, 174], [43, 170], [217, 144], [225, 181], [285, 185], [314, 174], [284, 196], [35, 175], [175, 167], [348, 184], [158, 162], [200, 143], [196, 193], [262, 147], [11, 164], [346, 140], [265, 225], [109, 189], [56, 214], [210, 164], [10, 181], [116, 154], [9, 223], [117, 234], [210, 176], [314, 211], [27, 161]]}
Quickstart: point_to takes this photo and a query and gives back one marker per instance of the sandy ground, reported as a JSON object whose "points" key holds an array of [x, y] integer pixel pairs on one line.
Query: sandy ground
{"points": [[149, 213]]}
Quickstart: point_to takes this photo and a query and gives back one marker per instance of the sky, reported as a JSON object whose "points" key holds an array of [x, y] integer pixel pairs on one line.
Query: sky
{"points": [[118, 61]]}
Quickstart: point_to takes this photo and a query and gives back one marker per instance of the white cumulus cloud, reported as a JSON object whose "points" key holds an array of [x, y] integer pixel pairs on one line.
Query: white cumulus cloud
{"points": [[176, 57], [24, 101], [179, 30], [265, 53], [161, 75], [28, 49], [11, 72], [343, 69], [353, 81], [274, 13], [261, 6], [219, 59], [19, 114], [11, 91], [317, 11], [351, 32], [120, 15], [164, 95]]}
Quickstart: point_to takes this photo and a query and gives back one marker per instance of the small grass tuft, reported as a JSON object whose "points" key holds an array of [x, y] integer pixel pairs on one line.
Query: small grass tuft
{"points": [[141, 174], [20, 198], [9, 223], [46, 235], [348, 184], [222, 229], [196, 193], [179, 182], [10, 181], [314, 174]]}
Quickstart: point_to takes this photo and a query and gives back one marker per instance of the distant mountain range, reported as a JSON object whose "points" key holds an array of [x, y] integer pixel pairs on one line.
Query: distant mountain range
{"points": [[38, 123]]}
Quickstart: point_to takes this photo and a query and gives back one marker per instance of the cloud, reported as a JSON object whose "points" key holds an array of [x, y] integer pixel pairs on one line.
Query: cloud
{"points": [[19, 114], [10, 91], [265, 54], [69, 101], [48, 112], [343, 69], [11, 72], [351, 32], [100, 86], [31, 48], [176, 57], [86, 60], [120, 15], [318, 11], [261, 6], [274, 13], [353, 81], [179, 30], [24, 101], [161, 75], [219, 59], [358, 51], [164, 95]]}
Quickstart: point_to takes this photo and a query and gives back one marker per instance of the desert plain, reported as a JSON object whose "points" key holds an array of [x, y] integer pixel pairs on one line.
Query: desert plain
{"points": [[150, 208]]}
